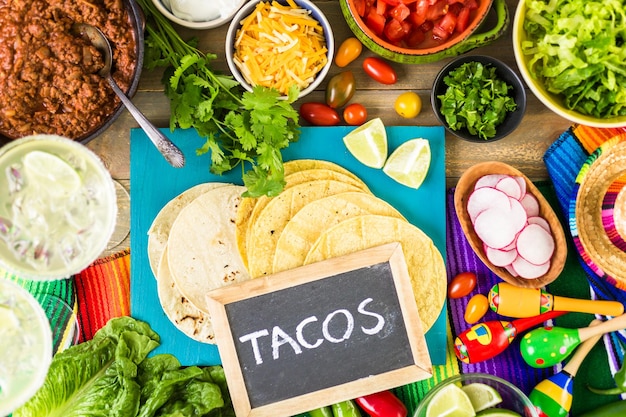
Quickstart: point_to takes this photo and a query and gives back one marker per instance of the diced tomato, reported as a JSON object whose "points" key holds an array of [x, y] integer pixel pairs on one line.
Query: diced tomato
{"points": [[381, 8], [462, 20], [359, 6], [400, 12], [445, 27], [391, 2], [394, 31], [375, 22], [414, 38], [427, 25], [437, 10]]}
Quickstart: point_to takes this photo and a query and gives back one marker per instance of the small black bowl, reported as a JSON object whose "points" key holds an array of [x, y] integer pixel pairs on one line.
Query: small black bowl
{"points": [[505, 73]]}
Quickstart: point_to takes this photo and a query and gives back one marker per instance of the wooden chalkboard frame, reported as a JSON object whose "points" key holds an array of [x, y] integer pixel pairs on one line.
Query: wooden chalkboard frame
{"points": [[421, 367]]}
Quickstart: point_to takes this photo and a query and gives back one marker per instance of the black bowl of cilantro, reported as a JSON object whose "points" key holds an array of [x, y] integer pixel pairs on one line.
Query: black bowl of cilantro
{"points": [[478, 98]]}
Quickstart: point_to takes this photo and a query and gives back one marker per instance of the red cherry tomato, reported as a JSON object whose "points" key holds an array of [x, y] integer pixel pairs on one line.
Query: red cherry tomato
{"points": [[476, 308], [462, 284], [382, 404], [380, 70], [319, 114], [348, 51], [355, 114], [340, 89]]}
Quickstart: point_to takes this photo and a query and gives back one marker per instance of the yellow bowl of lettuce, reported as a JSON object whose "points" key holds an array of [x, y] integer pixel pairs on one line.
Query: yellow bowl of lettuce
{"points": [[572, 55]]}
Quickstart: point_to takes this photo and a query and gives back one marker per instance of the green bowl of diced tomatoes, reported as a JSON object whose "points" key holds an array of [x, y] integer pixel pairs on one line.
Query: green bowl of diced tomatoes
{"points": [[420, 31]]}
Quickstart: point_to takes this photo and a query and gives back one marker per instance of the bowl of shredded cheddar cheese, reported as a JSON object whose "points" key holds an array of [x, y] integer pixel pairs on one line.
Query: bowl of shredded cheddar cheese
{"points": [[279, 44]]}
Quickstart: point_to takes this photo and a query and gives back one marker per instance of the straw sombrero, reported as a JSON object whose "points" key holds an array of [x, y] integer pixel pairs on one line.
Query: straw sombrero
{"points": [[597, 211]]}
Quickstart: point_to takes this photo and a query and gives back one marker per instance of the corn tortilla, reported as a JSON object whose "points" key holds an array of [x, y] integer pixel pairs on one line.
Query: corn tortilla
{"points": [[202, 248], [424, 261], [185, 316], [160, 228], [265, 229], [296, 172], [306, 226]]}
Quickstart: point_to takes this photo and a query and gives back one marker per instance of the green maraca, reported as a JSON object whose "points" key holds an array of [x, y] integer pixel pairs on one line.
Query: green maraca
{"points": [[546, 346]]}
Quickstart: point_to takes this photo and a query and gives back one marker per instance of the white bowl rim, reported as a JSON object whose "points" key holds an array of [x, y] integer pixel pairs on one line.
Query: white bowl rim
{"points": [[209, 24], [245, 10], [540, 93]]}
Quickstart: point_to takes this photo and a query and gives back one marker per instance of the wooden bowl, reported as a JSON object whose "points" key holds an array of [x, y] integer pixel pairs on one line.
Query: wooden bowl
{"points": [[462, 192]]}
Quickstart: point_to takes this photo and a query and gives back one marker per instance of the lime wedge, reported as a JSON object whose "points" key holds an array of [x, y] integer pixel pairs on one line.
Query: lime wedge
{"points": [[451, 401], [498, 412], [368, 143], [51, 172], [409, 163], [482, 396]]}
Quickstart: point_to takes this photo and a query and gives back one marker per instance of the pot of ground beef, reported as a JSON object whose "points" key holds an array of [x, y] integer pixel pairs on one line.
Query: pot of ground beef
{"points": [[49, 80]]}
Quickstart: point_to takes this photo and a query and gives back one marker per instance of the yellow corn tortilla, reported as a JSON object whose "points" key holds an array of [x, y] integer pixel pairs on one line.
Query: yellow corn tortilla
{"points": [[185, 316], [160, 228], [202, 249], [296, 172], [306, 226], [424, 261], [264, 231]]}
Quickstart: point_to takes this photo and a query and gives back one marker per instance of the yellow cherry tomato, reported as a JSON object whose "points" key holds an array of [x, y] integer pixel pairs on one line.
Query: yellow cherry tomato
{"points": [[476, 308], [348, 51], [408, 104]]}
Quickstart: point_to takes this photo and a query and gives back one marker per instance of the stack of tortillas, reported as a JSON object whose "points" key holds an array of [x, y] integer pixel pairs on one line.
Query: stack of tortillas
{"points": [[209, 237]]}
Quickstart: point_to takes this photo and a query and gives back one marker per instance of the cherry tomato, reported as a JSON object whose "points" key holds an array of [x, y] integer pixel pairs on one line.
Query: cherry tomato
{"points": [[340, 89], [476, 308], [319, 114], [379, 70], [348, 51], [382, 404], [408, 104], [355, 114], [462, 284]]}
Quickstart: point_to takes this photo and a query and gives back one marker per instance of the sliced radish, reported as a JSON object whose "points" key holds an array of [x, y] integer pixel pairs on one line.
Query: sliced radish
{"points": [[522, 185], [485, 198], [519, 217], [489, 180], [511, 271], [528, 270], [494, 227], [500, 257], [531, 204], [510, 187], [535, 244], [540, 221]]}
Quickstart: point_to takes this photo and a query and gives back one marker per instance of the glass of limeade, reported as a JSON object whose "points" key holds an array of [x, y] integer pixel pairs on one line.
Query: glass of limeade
{"points": [[25, 343], [57, 207]]}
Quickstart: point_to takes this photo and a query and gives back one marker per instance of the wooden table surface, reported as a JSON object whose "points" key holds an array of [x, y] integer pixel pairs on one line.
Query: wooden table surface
{"points": [[523, 149]]}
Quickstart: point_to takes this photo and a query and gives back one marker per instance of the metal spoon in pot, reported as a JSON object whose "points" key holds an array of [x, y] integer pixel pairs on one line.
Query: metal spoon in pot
{"points": [[171, 152]]}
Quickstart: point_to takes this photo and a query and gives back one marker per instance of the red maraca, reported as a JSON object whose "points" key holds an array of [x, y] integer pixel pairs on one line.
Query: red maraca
{"points": [[485, 340]]}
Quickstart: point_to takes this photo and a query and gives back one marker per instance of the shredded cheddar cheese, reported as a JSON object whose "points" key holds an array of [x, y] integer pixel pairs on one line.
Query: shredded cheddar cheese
{"points": [[280, 45]]}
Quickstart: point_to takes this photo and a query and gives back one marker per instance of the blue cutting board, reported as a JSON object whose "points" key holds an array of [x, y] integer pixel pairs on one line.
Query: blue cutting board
{"points": [[155, 182]]}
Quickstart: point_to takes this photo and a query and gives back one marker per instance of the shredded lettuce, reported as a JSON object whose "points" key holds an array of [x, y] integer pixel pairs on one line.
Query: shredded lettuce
{"points": [[577, 49], [112, 375]]}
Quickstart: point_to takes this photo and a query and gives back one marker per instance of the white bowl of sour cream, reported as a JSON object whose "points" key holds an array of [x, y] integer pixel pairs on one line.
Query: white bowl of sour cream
{"points": [[199, 14]]}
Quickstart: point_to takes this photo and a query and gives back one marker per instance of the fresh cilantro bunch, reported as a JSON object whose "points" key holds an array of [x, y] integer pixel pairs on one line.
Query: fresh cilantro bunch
{"points": [[476, 99], [239, 126]]}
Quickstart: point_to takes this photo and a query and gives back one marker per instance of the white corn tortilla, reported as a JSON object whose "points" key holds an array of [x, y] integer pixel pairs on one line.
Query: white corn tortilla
{"points": [[202, 248]]}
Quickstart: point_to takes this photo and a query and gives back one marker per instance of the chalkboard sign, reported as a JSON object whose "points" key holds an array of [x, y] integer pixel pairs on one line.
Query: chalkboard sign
{"points": [[320, 334]]}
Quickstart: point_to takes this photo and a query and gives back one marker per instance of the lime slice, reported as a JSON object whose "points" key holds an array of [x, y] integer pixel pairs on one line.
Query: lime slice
{"points": [[409, 163], [51, 172], [482, 396], [498, 412], [368, 143], [451, 401]]}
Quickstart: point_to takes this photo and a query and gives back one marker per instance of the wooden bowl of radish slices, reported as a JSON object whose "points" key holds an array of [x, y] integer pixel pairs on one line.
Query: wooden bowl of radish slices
{"points": [[510, 225]]}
